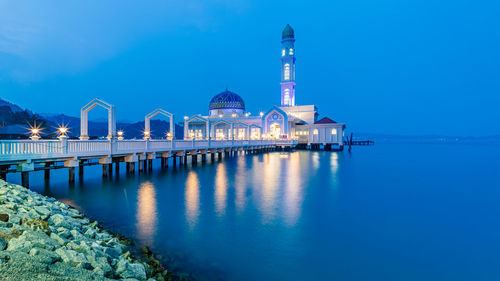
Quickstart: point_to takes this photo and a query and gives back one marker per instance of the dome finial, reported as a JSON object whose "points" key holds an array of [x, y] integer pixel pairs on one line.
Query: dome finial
{"points": [[288, 32]]}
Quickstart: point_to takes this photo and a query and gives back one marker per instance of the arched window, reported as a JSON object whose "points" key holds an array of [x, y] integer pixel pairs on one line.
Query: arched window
{"points": [[334, 131], [315, 131], [286, 75], [283, 52], [286, 97], [291, 52]]}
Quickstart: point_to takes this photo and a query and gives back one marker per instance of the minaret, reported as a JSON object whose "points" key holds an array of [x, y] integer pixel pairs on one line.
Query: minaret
{"points": [[287, 67]]}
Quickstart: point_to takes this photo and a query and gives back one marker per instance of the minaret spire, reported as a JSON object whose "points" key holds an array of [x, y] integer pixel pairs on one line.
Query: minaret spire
{"points": [[288, 66]]}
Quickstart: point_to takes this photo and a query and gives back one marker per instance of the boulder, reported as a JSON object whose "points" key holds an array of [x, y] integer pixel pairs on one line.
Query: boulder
{"points": [[130, 270], [36, 225], [4, 217], [73, 258], [44, 256], [59, 221], [3, 244]]}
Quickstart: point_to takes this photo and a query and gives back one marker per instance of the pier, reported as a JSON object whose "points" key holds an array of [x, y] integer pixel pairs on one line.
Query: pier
{"points": [[25, 156]]}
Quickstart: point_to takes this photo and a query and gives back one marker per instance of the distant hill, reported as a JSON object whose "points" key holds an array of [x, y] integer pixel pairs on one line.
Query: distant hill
{"points": [[11, 114], [13, 107]]}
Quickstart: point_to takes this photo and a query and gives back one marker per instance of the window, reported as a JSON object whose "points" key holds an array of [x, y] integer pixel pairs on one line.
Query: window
{"points": [[315, 131], [283, 52], [286, 97], [291, 52], [334, 131], [219, 134], [286, 75]]}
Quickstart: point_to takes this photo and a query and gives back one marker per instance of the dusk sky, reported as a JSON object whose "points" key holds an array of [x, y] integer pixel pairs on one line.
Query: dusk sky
{"points": [[387, 66]]}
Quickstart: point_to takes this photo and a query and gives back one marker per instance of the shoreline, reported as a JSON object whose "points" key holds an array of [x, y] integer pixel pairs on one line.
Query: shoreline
{"points": [[42, 238]]}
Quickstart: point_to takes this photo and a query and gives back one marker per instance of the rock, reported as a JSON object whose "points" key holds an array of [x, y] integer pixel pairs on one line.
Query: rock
{"points": [[36, 225], [61, 241], [4, 217], [3, 244], [59, 220], [42, 210], [130, 270], [112, 252], [63, 232], [73, 258], [14, 234], [44, 256], [90, 233], [101, 265], [31, 239]]}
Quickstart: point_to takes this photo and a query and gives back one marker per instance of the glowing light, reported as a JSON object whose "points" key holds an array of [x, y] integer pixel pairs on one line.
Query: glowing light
{"points": [[261, 114], [233, 115], [283, 52], [62, 131], [220, 115], [147, 134], [291, 51], [334, 131], [120, 135], [34, 131], [186, 117]]}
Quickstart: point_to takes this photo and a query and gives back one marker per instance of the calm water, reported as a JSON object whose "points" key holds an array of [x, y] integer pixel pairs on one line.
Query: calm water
{"points": [[386, 212]]}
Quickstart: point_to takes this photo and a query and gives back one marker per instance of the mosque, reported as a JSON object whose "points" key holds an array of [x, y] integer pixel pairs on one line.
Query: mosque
{"points": [[228, 119]]}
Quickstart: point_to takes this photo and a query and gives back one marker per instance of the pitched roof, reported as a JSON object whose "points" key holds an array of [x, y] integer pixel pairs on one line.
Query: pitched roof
{"points": [[325, 120]]}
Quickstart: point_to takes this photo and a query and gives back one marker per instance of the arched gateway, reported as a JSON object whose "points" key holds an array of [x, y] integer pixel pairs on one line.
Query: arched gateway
{"points": [[84, 121], [147, 121]]}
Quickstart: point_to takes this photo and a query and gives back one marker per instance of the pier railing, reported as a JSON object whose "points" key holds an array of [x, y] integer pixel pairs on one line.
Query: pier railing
{"points": [[43, 149]]}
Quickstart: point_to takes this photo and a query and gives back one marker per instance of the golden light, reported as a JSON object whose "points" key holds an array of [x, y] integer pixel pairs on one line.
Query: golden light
{"points": [[120, 133], [261, 114], [233, 115], [34, 131], [186, 117], [220, 115], [147, 134]]}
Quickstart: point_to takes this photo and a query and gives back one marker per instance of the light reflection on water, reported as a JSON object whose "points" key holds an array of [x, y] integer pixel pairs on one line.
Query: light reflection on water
{"points": [[146, 212], [192, 199], [310, 215]]}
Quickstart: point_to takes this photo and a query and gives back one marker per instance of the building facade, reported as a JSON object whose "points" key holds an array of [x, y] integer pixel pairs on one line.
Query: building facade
{"points": [[228, 119]]}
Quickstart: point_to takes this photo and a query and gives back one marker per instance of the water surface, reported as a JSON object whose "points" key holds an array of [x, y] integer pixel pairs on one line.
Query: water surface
{"points": [[384, 212]]}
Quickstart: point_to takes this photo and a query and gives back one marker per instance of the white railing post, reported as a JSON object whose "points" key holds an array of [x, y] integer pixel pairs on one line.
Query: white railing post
{"points": [[64, 145], [112, 146]]}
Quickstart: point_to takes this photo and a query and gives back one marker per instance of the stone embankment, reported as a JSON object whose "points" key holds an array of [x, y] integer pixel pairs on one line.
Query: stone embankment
{"points": [[44, 239]]}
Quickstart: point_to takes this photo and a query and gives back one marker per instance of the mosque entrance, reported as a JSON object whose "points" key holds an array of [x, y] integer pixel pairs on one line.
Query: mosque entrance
{"points": [[275, 129]]}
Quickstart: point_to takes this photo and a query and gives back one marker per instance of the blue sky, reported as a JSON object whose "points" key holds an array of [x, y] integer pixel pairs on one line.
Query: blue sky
{"points": [[399, 67]]}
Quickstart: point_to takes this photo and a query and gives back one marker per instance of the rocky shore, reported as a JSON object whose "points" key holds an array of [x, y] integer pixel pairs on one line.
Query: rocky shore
{"points": [[44, 239]]}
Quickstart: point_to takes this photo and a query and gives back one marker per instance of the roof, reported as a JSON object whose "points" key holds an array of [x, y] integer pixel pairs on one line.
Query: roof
{"points": [[325, 120], [227, 99], [287, 33]]}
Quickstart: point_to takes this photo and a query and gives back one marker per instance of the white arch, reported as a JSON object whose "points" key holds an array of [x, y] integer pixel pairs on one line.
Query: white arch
{"points": [[84, 121], [213, 129], [194, 118], [147, 120]]}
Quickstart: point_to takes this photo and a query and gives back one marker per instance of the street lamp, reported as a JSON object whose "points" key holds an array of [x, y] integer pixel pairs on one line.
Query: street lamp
{"points": [[147, 134], [62, 132], [120, 135]]}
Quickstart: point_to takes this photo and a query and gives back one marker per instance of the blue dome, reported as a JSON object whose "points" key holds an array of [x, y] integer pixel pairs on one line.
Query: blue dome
{"points": [[227, 100]]}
